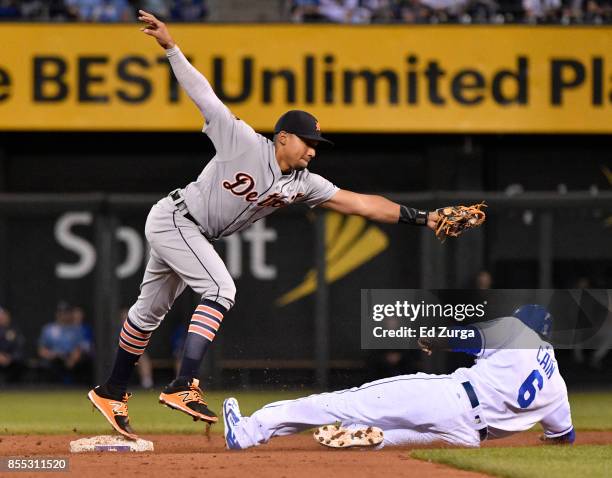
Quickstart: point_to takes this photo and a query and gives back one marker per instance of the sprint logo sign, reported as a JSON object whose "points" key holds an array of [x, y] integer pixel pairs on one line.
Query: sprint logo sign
{"points": [[349, 243]]}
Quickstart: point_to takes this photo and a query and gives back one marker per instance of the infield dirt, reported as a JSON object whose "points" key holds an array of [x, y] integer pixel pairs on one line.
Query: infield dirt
{"points": [[294, 456]]}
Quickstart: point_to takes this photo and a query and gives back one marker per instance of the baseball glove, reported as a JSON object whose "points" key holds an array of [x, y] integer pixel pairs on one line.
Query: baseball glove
{"points": [[455, 220]]}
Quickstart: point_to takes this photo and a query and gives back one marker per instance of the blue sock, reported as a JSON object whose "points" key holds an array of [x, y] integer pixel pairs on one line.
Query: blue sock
{"points": [[205, 323], [132, 344]]}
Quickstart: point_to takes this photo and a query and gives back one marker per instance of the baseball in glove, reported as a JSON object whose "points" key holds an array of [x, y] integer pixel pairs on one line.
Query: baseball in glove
{"points": [[455, 220]]}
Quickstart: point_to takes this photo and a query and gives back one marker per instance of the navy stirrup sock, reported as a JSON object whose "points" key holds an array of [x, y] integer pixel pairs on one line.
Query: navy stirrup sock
{"points": [[205, 323], [132, 344]]}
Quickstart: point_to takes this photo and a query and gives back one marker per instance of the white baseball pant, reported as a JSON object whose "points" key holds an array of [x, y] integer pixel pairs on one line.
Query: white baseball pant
{"points": [[410, 409]]}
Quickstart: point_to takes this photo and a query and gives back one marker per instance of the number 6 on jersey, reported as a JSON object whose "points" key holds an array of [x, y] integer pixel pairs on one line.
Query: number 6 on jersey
{"points": [[527, 392]]}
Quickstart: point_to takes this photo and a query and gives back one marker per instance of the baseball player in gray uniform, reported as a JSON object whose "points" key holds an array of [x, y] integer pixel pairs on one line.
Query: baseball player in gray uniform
{"points": [[249, 177]]}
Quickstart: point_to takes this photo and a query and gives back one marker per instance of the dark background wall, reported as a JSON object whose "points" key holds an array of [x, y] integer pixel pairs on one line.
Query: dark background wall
{"points": [[159, 162]]}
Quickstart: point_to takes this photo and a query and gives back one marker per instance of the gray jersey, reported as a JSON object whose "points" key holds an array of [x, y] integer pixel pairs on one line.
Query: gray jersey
{"points": [[243, 182]]}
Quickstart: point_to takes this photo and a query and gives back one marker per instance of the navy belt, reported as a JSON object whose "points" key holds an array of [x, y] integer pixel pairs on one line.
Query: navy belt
{"points": [[178, 199], [469, 390]]}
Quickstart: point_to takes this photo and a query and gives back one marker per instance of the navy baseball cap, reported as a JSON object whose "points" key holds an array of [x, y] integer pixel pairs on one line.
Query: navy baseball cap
{"points": [[302, 124], [536, 317]]}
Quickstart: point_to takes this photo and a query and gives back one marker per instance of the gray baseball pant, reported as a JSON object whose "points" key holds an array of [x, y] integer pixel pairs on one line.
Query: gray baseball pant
{"points": [[180, 256]]}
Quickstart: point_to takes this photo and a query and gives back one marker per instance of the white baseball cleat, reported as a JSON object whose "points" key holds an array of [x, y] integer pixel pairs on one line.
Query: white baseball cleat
{"points": [[335, 436], [231, 417]]}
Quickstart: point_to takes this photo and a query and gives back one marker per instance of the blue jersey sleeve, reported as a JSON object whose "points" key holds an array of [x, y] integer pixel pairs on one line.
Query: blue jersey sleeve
{"points": [[466, 339]]}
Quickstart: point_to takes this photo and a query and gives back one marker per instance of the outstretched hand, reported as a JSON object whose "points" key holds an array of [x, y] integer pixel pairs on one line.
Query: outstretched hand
{"points": [[156, 29], [452, 221]]}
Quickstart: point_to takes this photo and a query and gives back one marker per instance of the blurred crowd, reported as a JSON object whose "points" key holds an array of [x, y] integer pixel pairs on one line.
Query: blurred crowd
{"points": [[65, 346], [104, 11], [453, 11], [334, 11], [65, 350]]}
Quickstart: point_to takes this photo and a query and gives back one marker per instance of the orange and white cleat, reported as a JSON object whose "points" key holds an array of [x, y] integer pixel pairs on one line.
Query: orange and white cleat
{"points": [[185, 395], [114, 409]]}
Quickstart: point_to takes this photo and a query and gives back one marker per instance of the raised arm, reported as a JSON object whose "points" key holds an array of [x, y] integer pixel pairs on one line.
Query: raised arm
{"points": [[379, 209], [191, 80]]}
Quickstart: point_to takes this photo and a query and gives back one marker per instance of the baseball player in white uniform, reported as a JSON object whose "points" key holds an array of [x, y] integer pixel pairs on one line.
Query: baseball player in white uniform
{"points": [[249, 177], [514, 384]]}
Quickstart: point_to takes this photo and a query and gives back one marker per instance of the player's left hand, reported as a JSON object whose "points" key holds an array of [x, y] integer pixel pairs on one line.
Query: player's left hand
{"points": [[567, 439], [156, 29], [452, 221], [425, 345]]}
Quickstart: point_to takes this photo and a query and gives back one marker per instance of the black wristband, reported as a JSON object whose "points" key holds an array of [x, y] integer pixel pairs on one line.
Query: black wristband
{"points": [[409, 215]]}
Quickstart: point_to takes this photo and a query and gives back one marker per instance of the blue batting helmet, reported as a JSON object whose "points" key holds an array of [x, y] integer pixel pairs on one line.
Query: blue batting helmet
{"points": [[536, 317]]}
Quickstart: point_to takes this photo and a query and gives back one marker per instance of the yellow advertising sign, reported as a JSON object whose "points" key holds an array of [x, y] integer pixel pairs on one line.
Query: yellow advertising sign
{"points": [[354, 79]]}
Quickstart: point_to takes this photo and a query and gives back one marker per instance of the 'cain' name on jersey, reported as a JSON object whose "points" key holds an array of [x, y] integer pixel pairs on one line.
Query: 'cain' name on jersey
{"points": [[546, 362]]}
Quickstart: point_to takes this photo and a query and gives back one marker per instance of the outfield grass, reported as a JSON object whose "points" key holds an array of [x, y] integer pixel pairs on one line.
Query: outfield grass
{"points": [[66, 411], [593, 461], [591, 411], [63, 411]]}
